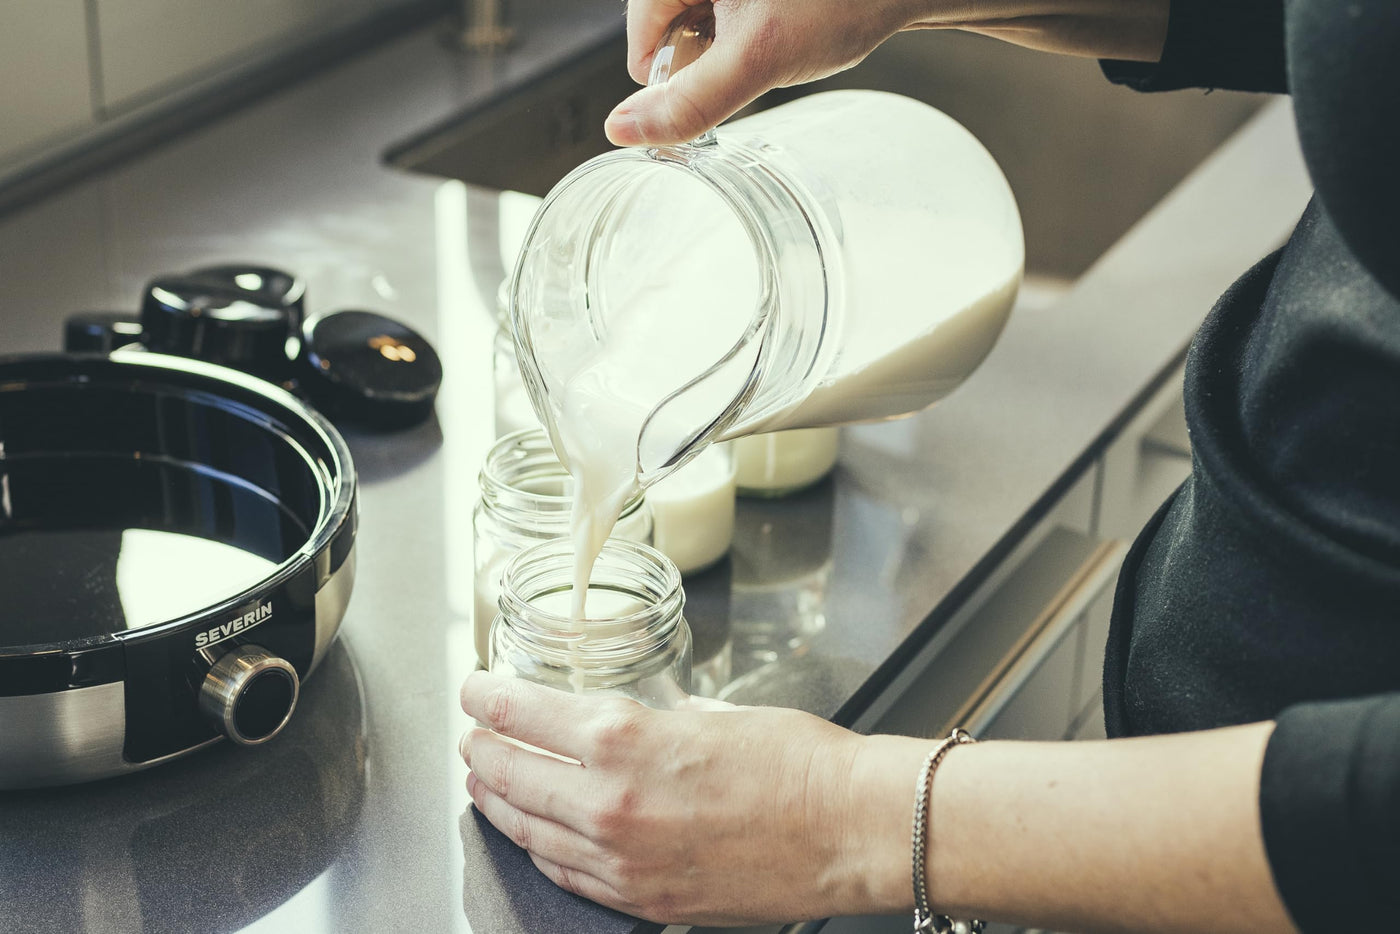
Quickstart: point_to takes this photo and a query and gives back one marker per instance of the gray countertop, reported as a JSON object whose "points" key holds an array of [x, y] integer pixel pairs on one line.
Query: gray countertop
{"points": [[356, 819]]}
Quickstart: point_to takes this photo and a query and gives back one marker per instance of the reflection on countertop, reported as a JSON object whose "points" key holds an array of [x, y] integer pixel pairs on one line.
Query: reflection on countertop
{"points": [[503, 892], [225, 838]]}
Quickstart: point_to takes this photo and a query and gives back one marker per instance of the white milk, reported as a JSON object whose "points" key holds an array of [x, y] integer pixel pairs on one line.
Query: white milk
{"points": [[666, 322], [607, 605], [604, 467], [693, 511], [784, 461], [604, 406], [968, 280]]}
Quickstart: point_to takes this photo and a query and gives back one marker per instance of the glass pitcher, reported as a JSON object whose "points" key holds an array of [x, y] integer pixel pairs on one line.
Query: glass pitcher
{"points": [[849, 256]]}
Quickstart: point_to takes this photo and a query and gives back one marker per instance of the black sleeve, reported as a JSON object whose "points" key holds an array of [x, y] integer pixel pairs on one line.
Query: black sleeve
{"points": [[1231, 44], [1329, 802]]}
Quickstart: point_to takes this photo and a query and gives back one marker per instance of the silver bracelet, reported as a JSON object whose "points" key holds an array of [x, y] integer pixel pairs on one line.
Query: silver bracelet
{"points": [[925, 921]]}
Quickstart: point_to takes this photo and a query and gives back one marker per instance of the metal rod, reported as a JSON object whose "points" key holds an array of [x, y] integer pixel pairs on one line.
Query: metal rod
{"points": [[484, 25]]}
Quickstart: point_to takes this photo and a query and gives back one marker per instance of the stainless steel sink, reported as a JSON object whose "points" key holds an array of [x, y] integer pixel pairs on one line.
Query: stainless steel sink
{"points": [[1086, 159]]}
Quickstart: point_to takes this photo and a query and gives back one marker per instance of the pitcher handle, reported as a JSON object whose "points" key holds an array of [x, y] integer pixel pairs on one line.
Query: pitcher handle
{"points": [[689, 34]]}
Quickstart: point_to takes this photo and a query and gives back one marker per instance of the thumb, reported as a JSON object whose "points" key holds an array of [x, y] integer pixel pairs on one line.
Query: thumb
{"points": [[695, 99]]}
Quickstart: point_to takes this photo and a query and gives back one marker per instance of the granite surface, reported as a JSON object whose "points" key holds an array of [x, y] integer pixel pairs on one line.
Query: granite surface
{"points": [[356, 819]]}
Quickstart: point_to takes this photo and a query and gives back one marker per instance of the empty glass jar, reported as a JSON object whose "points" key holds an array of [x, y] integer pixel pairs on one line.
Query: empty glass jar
{"points": [[634, 644], [526, 498]]}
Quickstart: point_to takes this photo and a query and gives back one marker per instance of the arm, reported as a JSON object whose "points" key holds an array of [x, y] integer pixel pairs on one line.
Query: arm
{"points": [[1152, 834], [733, 815], [763, 44]]}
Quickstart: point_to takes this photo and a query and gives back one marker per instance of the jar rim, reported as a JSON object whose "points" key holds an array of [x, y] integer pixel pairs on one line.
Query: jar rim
{"points": [[547, 568], [527, 455]]}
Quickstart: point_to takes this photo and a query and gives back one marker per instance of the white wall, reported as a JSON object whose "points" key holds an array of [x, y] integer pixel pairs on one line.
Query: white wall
{"points": [[150, 46], [66, 64], [45, 85]]}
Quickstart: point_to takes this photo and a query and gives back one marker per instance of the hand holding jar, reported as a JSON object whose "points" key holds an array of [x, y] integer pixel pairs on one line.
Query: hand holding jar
{"points": [[679, 814], [720, 815]]}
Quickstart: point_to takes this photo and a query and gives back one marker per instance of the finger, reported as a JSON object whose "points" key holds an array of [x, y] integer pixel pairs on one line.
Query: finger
{"points": [[530, 832], [579, 882], [647, 21], [529, 781], [531, 713], [695, 99]]}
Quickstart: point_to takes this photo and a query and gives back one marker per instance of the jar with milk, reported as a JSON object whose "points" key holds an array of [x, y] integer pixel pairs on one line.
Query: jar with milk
{"points": [[845, 257]]}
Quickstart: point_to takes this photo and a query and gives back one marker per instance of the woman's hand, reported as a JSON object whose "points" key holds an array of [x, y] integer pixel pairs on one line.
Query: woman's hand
{"points": [[709, 815], [765, 44], [759, 45]]}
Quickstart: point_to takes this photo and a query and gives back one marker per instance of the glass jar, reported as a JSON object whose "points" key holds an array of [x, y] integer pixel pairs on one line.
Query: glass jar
{"points": [[634, 644], [513, 410], [525, 499], [692, 511], [783, 462], [848, 256]]}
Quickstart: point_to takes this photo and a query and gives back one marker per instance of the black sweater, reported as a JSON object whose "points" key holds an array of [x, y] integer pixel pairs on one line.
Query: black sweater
{"points": [[1268, 587]]}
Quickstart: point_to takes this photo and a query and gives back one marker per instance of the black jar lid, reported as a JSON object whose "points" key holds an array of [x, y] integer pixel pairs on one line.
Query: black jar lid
{"points": [[364, 367], [100, 331], [269, 287], [240, 316]]}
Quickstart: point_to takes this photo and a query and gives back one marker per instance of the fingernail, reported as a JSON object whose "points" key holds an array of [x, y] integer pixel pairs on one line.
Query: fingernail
{"points": [[472, 782], [623, 128], [464, 747]]}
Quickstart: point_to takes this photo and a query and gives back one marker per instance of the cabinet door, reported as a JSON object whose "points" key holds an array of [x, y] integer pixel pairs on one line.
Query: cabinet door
{"points": [[44, 80], [1145, 463]]}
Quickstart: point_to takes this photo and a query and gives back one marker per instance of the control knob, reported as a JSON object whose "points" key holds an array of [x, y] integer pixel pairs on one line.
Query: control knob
{"points": [[249, 694]]}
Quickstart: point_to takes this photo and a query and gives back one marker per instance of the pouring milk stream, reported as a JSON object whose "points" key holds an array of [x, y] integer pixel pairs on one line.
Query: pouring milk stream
{"points": [[845, 257]]}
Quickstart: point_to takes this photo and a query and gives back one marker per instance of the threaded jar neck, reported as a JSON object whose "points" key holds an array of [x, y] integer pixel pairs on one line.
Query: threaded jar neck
{"points": [[536, 591], [524, 487]]}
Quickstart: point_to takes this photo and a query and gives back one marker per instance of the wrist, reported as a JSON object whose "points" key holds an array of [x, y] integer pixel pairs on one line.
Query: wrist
{"points": [[923, 14], [879, 822]]}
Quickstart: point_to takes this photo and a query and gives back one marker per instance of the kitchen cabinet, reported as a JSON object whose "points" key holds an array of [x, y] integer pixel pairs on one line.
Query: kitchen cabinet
{"points": [[1020, 651], [1146, 462], [45, 88]]}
